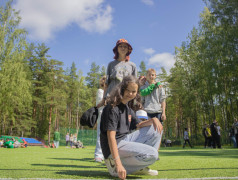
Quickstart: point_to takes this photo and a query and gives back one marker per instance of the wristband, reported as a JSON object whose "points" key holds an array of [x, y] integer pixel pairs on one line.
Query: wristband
{"points": [[116, 158], [158, 83]]}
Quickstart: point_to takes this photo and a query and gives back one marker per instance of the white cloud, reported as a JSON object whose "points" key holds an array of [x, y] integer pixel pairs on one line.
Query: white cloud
{"points": [[165, 60], [149, 51], [148, 2], [42, 18]]}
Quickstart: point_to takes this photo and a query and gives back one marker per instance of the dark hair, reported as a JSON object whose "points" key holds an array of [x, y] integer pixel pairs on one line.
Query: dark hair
{"points": [[115, 49], [116, 95], [127, 54]]}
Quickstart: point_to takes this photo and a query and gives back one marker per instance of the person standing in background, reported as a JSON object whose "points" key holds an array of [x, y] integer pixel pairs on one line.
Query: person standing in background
{"points": [[71, 140], [98, 156], [214, 135], [218, 128], [154, 103], [67, 139], [207, 135], [232, 136], [235, 126], [120, 67], [56, 138]]}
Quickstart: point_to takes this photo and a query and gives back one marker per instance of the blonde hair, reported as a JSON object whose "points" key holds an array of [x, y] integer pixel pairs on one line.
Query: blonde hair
{"points": [[102, 81]]}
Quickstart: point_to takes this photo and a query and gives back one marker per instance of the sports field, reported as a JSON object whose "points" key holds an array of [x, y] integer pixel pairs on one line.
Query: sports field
{"points": [[66, 163]]}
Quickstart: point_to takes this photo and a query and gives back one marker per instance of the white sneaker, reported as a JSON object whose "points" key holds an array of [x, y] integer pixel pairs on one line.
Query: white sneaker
{"points": [[146, 171], [111, 167], [98, 159]]}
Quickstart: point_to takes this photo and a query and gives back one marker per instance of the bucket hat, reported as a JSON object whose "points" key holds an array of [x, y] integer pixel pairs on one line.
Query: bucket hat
{"points": [[129, 49]]}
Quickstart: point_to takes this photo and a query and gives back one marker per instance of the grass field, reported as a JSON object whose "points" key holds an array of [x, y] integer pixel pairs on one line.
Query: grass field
{"points": [[66, 163]]}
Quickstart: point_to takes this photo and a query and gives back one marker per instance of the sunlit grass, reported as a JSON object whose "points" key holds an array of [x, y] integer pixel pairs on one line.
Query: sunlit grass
{"points": [[66, 163]]}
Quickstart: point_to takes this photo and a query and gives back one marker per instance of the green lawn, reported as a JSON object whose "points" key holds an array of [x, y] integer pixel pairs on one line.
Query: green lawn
{"points": [[66, 163]]}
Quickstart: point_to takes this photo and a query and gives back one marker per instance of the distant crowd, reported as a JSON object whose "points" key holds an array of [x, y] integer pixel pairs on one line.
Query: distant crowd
{"points": [[12, 143], [71, 140], [212, 134]]}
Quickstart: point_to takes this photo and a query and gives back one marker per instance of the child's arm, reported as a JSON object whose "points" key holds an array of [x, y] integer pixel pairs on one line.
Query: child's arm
{"points": [[163, 104], [149, 89], [155, 121], [102, 102], [111, 135]]}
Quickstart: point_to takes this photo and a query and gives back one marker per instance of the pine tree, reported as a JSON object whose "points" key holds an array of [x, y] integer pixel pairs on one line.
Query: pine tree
{"points": [[15, 96], [142, 71]]}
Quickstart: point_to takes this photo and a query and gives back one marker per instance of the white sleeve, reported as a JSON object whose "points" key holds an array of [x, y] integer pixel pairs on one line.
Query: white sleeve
{"points": [[99, 96]]}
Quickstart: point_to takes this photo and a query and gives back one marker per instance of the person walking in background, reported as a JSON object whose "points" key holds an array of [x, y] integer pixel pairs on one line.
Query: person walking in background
{"points": [[207, 135], [67, 139], [98, 156], [186, 138], [235, 126], [56, 138], [127, 153]]}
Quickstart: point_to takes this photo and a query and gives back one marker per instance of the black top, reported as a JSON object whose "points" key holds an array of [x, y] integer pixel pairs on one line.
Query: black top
{"points": [[204, 132], [121, 119], [213, 129]]}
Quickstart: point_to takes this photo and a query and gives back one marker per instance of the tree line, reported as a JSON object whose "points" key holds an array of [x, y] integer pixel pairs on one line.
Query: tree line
{"points": [[204, 80], [37, 95]]}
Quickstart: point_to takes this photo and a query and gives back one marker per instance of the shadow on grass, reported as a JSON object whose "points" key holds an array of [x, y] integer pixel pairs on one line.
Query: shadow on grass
{"points": [[66, 166], [72, 159], [25, 170], [196, 169], [93, 174], [80, 173], [214, 153]]}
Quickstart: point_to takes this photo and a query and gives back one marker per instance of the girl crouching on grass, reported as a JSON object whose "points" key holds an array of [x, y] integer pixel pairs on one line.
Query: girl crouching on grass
{"points": [[128, 153]]}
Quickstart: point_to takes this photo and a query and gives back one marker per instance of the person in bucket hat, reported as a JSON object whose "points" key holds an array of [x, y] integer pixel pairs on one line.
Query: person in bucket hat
{"points": [[121, 42], [120, 66]]}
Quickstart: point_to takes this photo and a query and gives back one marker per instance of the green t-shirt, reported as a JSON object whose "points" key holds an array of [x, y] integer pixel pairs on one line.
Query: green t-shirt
{"points": [[56, 136], [9, 144]]}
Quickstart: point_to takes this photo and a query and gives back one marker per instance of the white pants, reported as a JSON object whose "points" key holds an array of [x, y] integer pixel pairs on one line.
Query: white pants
{"points": [[139, 149]]}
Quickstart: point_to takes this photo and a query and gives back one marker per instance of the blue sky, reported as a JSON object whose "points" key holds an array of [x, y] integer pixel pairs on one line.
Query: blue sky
{"points": [[85, 31]]}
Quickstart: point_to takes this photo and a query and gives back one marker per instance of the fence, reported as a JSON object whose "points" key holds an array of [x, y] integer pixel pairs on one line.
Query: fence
{"points": [[87, 136]]}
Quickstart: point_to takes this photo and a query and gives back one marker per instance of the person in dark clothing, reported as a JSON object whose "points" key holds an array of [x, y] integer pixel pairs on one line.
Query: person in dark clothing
{"points": [[235, 126], [232, 136], [215, 136], [127, 151]]}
